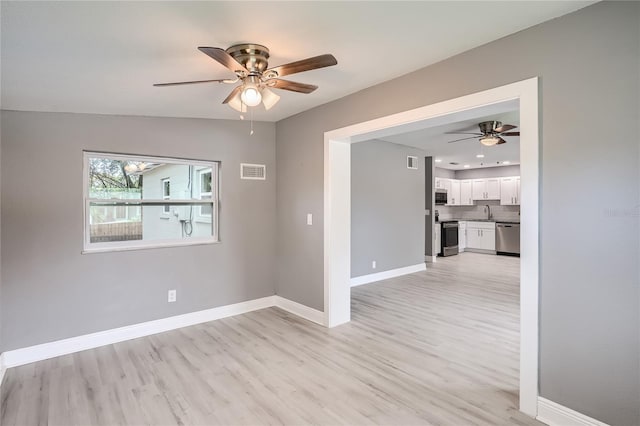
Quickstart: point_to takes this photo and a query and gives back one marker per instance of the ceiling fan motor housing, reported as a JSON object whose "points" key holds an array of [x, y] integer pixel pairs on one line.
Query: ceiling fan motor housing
{"points": [[254, 57], [488, 127]]}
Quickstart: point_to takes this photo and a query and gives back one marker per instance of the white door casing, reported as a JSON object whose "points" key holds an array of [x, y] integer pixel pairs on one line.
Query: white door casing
{"points": [[337, 214]]}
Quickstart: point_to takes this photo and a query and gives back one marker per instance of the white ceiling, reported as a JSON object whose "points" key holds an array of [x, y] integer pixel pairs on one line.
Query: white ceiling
{"points": [[103, 57]]}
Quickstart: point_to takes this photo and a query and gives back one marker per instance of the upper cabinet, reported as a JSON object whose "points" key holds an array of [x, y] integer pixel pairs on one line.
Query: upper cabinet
{"points": [[453, 194], [486, 189], [465, 192], [466, 196], [510, 191]]}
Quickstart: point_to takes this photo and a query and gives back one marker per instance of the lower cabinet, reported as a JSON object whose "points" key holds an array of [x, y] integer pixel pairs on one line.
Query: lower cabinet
{"points": [[438, 245], [481, 235], [462, 236]]}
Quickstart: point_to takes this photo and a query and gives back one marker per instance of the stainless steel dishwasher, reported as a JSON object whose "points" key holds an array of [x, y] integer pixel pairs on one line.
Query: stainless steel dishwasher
{"points": [[508, 238]]}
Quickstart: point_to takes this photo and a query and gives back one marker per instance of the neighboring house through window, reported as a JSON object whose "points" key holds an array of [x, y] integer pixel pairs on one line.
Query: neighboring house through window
{"points": [[166, 195], [204, 190], [125, 194]]}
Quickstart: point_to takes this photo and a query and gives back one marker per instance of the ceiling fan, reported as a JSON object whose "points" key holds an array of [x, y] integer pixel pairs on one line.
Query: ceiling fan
{"points": [[249, 62], [491, 133]]}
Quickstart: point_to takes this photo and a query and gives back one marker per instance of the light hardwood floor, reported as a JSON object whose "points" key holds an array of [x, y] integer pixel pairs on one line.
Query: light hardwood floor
{"points": [[436, 347]]}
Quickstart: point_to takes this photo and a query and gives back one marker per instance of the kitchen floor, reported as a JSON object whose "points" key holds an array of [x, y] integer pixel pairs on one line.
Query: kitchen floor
{"points": [[435, 347]]}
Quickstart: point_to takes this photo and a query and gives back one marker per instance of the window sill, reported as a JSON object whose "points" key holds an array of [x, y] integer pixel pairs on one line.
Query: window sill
{"points": [[93, 250]]}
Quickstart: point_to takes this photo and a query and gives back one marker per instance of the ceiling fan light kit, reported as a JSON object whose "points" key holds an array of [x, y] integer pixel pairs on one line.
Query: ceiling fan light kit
{"points": [[489, 140], [249, 62]]}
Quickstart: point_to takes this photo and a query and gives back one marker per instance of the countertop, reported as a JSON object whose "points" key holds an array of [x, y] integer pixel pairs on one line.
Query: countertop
{"points": [[480, 220]]}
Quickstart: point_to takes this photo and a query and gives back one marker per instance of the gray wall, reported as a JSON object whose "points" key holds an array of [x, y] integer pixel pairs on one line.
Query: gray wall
{"points": [[52, 291], [445, 173], [487, 172], [589, 302], [387, 207]]}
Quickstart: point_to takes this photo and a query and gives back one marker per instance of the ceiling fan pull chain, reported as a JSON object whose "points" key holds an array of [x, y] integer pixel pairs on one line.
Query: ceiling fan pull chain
{"points": [[251, 132]]}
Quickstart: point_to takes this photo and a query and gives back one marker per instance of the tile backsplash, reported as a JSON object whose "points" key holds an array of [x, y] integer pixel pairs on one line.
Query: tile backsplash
{"points": [[498, 212]]}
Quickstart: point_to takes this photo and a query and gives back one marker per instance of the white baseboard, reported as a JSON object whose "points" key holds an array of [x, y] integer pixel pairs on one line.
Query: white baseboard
{"points": [[89, 341], [384, 275], [300, 310], [3, 368], [555, 414]]}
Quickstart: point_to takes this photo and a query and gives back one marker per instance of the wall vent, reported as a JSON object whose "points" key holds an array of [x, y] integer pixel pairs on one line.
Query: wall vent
{"points": [[412, 162], [253, 171]]}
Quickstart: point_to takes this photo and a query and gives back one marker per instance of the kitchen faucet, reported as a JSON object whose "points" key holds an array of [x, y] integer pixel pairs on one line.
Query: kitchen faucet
{"points": [[488, 210]]}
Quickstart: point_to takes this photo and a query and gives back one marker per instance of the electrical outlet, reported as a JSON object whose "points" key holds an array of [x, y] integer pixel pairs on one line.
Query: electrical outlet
{"points": [[172, 296], [309, 219], [373, 264]]}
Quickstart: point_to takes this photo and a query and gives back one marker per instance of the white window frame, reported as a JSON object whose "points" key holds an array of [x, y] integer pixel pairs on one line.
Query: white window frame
{"points": [[166, 209], [90, 247], [206, 218]]}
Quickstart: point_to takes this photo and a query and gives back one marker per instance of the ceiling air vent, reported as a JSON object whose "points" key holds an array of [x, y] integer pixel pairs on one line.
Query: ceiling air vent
{"points": [[412, 162], [253, 171]]}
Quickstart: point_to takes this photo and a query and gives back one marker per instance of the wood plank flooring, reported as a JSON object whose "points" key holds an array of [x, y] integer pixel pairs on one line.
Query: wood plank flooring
{"points": [[437, 347]]}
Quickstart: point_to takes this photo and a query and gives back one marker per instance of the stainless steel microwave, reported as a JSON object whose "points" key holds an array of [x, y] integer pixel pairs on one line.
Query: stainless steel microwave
{"points": [[441, 197]]}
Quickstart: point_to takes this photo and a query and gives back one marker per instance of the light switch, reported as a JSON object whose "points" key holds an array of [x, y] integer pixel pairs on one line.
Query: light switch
{"points": [[309, 219]]}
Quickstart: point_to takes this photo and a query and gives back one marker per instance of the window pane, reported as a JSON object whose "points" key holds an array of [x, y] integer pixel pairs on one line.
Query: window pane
{"points": [[205, 182], [147, 223], [206, 210]]}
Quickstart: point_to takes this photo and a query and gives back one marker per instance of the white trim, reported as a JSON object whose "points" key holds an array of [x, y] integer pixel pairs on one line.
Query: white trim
{"points": [[385, 275], [300, 310], [554, 414], [3, 368], [337, 213], [89, 341]]}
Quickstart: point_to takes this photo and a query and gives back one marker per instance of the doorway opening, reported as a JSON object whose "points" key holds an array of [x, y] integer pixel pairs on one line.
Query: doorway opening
{"points": [[337, 211]]}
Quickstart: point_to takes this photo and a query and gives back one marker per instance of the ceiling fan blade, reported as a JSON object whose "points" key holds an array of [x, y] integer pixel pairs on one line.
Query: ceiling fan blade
{"points": [[308, 64], [463, 133], [501, 141], [463, 139], [225, 59], [504, 128], [234, 92], [510, 134], [178, 83], [293, 86]]}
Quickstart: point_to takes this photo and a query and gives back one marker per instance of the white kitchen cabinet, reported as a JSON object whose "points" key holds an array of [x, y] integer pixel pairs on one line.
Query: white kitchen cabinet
{"points": [[478, 189], [493, 188], [442, 183], [486, 189], [453, 193], [466, 197], [510, 191], [481, 236], [462, 236], [438, 246]]}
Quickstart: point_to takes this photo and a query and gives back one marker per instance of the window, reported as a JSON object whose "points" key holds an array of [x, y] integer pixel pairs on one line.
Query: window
{"points": [[204, 191], [125, 194], [166, 195]]}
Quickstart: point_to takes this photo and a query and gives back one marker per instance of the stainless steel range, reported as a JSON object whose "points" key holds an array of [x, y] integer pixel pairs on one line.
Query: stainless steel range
{"points": [[449, 238]]}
